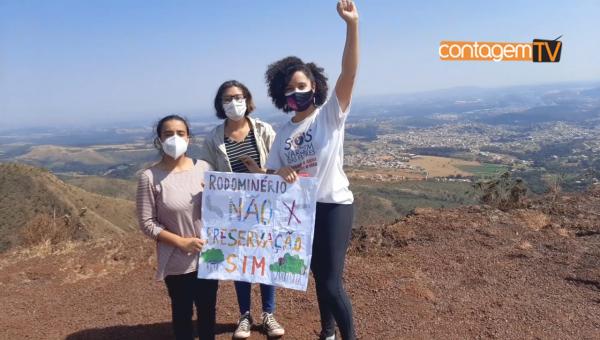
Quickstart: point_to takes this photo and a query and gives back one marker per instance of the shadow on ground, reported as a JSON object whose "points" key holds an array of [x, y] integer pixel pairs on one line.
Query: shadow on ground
{"points": [[154, 331]]}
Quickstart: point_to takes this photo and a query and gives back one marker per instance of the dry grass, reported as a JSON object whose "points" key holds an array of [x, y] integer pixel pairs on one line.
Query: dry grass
{"points": [[534, 220], [442, 166], [384, 175], [43, 229], [35, 206], [110, 187], [52, 153]]}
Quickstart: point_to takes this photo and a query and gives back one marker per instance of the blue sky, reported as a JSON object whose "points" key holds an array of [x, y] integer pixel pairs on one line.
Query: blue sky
{"points": [[76, 62]]}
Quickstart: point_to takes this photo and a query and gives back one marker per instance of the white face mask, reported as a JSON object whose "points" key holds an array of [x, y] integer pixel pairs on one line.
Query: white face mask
{"points": [[235, 109], [174, 146]]}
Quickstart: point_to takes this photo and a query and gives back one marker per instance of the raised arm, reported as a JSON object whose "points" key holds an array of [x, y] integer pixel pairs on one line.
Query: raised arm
{"points": [[345, 83]]}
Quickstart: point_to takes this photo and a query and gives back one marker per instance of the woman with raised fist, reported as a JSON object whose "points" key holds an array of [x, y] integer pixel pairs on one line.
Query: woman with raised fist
{"points": [[311, 143]]}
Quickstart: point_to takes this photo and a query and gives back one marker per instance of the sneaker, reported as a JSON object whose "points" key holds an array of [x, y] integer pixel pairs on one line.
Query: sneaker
{"points": [[324, 337], [243, 328], [271, 326]]}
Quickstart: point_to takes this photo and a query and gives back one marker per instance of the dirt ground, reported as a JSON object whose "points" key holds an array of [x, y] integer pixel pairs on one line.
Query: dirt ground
{"points": [[471, 272]]}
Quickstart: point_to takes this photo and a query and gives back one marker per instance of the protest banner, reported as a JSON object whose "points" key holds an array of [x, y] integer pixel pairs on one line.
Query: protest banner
{"points": [[258, 229]]}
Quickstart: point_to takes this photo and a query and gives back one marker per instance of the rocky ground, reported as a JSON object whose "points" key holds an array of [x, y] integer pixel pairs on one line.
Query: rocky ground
{"points": [[471, 272]]}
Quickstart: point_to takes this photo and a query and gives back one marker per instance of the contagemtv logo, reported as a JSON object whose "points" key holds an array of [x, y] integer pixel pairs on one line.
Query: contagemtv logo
{"points": [[538, 51]]}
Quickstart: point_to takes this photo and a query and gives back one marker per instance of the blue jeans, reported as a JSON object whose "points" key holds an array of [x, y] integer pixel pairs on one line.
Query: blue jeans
{"points": [[267, 294]]}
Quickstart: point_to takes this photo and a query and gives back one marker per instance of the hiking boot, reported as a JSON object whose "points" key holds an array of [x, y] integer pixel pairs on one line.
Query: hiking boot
{"points": [[243, 328], [271, 326]]}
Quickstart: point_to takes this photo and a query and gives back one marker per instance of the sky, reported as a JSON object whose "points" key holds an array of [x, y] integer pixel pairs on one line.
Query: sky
{"points": [[72, 62]]}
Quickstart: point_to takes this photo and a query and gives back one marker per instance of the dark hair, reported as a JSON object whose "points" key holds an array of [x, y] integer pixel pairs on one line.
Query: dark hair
{"points": [[280, 73], [220, 112], [159, 127]]}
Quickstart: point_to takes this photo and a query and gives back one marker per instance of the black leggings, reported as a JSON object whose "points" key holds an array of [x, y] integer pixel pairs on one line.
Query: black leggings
{"points": [[187, 290], [333, 226]]}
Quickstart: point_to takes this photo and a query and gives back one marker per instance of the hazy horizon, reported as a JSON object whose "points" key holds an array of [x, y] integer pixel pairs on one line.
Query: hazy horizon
{"points": [[266, 109]]}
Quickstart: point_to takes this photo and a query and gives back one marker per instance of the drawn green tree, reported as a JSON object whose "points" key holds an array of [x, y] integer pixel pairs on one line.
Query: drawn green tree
{"points": [[289, 264], [213, 256]]}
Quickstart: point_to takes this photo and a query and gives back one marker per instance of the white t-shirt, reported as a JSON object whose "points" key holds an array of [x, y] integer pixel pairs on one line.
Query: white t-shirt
{"points": [[315, 146]]}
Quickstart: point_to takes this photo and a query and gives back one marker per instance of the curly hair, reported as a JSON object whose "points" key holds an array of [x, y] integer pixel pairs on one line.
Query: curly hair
{"points": [[218, 102], [280, 73]]}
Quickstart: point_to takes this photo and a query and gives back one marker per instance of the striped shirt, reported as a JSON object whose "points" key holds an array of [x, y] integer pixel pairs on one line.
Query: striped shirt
{"points": [[237, 149], [171, 201]]}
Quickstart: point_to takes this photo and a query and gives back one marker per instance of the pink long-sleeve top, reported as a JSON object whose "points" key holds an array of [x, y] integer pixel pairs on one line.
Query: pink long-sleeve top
{"points": [[171, 201]]}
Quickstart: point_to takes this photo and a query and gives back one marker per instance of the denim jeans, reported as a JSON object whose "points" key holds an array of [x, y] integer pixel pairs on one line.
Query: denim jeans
{"points": [[267, 294]]}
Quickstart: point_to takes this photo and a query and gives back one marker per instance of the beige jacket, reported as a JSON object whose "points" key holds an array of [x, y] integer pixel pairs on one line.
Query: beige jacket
{"points": [[214, 151]]}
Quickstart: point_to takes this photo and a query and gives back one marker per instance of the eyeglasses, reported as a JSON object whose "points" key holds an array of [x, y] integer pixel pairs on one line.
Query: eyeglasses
{"points": [[228, 99]]}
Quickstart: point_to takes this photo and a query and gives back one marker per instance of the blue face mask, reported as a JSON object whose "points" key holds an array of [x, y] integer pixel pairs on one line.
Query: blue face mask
{"points": [[300, 101]]}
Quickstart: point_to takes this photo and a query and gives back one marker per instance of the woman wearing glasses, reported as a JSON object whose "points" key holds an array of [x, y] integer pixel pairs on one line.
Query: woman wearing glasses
{"points": [[242, 144]]}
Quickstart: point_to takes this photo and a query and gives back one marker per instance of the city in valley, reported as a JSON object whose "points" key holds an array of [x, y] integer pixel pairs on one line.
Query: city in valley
{"points": [[401, 151]]}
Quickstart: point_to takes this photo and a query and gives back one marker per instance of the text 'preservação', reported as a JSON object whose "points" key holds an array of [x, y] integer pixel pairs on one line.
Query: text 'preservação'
{"points": [[258, 229]]}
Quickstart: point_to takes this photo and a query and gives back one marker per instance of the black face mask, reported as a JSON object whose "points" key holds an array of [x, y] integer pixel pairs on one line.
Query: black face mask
{"points": [[300, 101]]}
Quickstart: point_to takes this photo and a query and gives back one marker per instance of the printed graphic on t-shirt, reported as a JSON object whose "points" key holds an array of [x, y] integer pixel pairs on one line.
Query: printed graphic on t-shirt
{"points": [[300, 151]]}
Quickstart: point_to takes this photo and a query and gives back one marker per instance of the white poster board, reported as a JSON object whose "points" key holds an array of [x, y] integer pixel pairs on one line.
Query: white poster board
{"points": [[258, 229]]}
